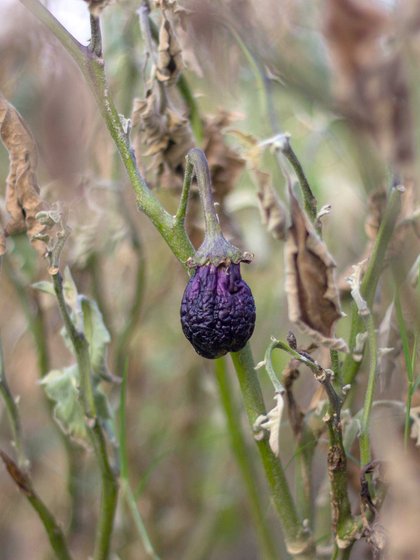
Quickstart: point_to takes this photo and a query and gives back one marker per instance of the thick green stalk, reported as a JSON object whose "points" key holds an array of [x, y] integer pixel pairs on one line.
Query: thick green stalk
{"points": [[109, 484], [298, 544], [244, 460], [370, 280]]}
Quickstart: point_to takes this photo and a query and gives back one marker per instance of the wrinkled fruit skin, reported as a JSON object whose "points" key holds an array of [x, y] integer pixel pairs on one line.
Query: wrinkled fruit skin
{"points": [[217, 310]]}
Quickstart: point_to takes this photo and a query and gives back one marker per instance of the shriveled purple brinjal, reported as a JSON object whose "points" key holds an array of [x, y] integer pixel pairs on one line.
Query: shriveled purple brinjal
{"points": [[217, 310]]}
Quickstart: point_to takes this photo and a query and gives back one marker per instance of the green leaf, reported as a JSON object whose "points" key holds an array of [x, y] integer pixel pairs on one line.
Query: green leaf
{"points": [[96, 334], [62, 387], [44, 286]]}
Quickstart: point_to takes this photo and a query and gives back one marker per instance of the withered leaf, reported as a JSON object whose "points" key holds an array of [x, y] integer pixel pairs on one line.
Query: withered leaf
{"points": [[164, 132], [312, 294], [169, 63], [273, 212], [23, 200]]}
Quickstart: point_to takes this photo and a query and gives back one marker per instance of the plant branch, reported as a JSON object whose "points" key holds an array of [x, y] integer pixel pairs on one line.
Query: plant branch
{"points": [[126, 489], [109, 484], [13, 415], [365, 456], [299, 544], [95, 45], [370, 280], [244, 459], [53, 529], [343, 523], [92, 68], [183, 202]]}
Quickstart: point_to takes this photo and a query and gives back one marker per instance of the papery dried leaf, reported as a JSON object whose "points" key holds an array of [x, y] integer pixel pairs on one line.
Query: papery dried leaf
{"points": [[273, 212], [165, 133], [97, 6], [312, 293], [23, 200], [169, 63]]}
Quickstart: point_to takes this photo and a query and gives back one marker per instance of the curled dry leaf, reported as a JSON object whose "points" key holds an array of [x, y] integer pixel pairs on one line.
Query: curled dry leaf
{"points": [[312, 294], [23, 200], [164, 132], [273, 212], [169, 63]]}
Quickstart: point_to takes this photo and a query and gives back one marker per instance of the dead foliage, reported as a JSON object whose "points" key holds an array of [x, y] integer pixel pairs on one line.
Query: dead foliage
{"points": [[169, 62], [164, 132], [312, 294], [23, 200]]}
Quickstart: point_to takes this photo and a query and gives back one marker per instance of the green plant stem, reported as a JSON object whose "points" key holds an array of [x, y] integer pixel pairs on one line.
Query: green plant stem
{"points": [[370, 280], [299, 545], [13, 414], [52, 528], [109, 484], [35, 316], [92, 68], [409, 365], [19, 472], [183, 201], [309, 199], [244, 459], [343, 523], [365, 455], [126, 490]]}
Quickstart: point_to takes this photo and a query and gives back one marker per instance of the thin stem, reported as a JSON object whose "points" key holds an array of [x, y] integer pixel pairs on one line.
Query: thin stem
{"points": [[95, 44], [146, 29], [343, 522], [13, 415], [299, 545], [408, 365], [183, 202], [370, 280], [109, 484], [278, 387], [126, 489], [309, 199], [52, 528], [93, 70], [365, 456], [244, 459]]}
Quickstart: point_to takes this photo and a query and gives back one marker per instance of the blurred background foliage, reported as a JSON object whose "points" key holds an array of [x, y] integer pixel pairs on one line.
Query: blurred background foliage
{"points": [[257, 67]]}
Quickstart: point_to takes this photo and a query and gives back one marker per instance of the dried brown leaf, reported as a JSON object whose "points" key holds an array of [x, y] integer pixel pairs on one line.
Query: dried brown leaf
{"points": [[23, 200], [165, 134], [273, 212], [311, 290], [169, 63]]}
